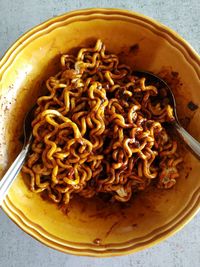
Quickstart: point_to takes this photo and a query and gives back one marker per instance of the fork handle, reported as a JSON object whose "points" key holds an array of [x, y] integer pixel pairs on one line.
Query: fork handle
{"points": [[192, 143], [12, 172]]}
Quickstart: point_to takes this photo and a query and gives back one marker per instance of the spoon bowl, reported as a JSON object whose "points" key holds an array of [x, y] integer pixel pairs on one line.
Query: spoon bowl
{"points": [[152, 78]]}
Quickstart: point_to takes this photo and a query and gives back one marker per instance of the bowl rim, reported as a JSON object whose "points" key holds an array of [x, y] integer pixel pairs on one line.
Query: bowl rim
{"points": [[9, 207], [35, 29]]}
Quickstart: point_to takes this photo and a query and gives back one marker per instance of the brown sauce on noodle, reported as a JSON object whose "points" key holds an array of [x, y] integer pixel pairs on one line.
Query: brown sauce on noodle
{"points": [[100, 130]]}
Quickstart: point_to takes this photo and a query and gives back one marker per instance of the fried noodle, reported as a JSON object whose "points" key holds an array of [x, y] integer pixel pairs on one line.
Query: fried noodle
{"points": [[100, 130]]}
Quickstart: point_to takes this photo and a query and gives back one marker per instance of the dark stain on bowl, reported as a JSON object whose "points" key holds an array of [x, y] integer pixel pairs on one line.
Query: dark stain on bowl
{"points": [[111, 228], [185, 121], [188, 172], [134, 49], [175, 74], [97, 241], [192, 106]]}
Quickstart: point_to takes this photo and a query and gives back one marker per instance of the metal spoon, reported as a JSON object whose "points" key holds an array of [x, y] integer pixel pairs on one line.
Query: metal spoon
{"points": [[193, 144], [16, 166]]}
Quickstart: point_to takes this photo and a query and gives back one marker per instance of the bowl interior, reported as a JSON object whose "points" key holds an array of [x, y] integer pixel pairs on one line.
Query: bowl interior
{"points": [[95, 224]]}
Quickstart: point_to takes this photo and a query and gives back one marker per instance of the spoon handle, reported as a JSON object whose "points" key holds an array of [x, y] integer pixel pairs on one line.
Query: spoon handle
{"points": [[193, 144], [12, 172]]}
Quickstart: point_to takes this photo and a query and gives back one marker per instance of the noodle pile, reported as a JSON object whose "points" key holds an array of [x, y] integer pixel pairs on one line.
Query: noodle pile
{"points": [[100, 130]]}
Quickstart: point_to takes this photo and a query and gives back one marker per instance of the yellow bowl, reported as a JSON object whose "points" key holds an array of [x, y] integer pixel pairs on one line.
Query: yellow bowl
{"points": [[93, 227]]}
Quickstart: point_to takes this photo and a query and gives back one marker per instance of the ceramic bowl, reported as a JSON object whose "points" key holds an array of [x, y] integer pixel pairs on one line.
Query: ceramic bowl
{"points": [[94, 227]]}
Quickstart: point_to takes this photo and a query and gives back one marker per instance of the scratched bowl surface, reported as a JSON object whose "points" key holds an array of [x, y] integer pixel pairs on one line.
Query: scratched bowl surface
{"points": [[95, 227]]}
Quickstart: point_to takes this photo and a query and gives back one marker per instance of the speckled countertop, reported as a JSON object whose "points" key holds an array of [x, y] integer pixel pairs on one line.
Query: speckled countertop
{"points": [[17, 249]]}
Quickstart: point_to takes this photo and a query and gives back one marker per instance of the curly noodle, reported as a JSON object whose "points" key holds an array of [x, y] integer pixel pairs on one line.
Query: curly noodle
{"points": [[100, 130]]}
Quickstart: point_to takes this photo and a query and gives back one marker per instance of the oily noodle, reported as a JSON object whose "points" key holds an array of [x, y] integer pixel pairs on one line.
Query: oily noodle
{"points": [[100, 130]]}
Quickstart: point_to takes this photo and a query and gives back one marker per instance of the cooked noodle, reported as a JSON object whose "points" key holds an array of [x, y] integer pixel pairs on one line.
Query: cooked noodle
{"points": [[100, 130]]}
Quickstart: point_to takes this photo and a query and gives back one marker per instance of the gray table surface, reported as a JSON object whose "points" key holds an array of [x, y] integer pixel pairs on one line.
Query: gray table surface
{"points": [[16, 247]]}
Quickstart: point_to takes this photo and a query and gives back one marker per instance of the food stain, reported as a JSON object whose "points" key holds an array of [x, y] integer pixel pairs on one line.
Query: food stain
{"points": [[97, 241], [111, 228], [192, 106], [187, 174], [185, 122], [134, 49]]}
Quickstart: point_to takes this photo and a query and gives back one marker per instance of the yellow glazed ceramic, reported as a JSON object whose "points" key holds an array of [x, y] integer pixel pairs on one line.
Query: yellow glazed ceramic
{"points": [[92, 227]]}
